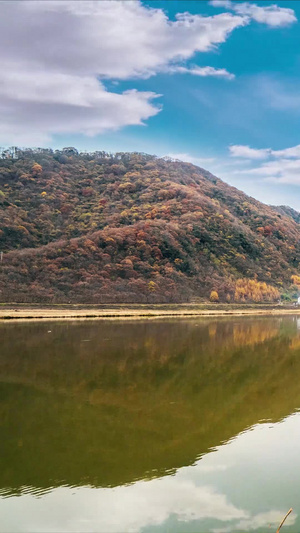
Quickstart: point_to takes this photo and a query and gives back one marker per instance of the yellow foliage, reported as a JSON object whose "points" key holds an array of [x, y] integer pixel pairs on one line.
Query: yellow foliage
{"points": [[152, 286], [255, 291], [296, 280], [127, 186], [214, 297], [36, 168]]}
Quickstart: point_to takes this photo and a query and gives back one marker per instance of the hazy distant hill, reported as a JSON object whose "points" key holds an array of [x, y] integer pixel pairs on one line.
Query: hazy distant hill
{"points": [[289, 211], [131, 227]]}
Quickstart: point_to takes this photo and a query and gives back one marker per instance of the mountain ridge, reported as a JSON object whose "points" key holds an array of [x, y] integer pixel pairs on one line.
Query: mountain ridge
{"points": [[289, 211], [131, 227]]}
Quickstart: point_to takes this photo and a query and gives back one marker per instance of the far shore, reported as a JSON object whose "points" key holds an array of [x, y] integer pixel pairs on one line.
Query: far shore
{"points": [[137, 311]]}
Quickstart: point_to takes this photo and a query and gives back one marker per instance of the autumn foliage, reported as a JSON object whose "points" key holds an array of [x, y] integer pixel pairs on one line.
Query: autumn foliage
{"points": [[255, 291], [214, 297], [296, 280], [99, 227]]}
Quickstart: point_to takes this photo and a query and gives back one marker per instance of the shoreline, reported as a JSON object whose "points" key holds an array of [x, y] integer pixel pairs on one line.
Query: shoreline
{"points": [[20, 313]]}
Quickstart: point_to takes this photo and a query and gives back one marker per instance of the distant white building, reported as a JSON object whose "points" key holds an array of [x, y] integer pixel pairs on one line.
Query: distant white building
{"points": [[298, 302]]}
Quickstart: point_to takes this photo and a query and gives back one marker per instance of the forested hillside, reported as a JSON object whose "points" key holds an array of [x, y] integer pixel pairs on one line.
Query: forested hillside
{"points": [[289, 211], [130, 227]]}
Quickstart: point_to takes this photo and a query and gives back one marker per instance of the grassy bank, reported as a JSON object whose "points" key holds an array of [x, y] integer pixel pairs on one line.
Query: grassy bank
{"points": [[58, 312]]}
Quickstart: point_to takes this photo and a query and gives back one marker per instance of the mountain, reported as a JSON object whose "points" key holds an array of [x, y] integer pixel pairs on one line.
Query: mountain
{"points": [[130, 227], [289, 211]]}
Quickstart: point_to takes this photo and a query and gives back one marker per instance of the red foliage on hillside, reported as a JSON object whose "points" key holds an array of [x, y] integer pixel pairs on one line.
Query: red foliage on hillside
{"points": [[133, 228]]}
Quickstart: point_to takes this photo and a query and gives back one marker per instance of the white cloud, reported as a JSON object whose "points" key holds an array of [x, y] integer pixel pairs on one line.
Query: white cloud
{"points": [[115, 39], [282, 166], [55, 56], [221, 3], [292, 152], [282, 171], [53, 103], [202, 71], [246, 152], [274, 16]]}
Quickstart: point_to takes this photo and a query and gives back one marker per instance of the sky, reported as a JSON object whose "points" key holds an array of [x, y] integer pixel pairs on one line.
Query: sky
{"points": [[215, 83]]}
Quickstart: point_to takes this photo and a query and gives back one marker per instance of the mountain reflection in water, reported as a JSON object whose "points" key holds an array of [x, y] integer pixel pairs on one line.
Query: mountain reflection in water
{"points": [[139, 426]]}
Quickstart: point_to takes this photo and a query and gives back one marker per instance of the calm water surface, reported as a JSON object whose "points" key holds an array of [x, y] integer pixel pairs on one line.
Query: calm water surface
{"points": [[150, 426]]}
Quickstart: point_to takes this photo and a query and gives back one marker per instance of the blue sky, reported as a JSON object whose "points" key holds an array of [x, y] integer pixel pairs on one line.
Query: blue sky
{"points": [[215, 83]]}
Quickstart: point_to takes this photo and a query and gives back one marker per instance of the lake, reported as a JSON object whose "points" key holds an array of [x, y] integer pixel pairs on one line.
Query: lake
{"points": [[184, 425]]}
